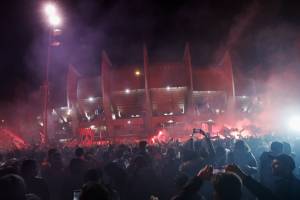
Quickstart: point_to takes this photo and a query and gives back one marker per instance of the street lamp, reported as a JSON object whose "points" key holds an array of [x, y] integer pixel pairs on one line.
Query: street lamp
{"points": [[54, 20]]}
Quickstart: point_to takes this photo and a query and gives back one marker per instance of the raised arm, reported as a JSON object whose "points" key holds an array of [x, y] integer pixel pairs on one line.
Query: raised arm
{"points": [[251, 184], [211, 149], [194, 185]]}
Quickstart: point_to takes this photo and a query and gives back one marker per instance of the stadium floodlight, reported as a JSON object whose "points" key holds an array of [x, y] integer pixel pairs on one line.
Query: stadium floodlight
{"points": [[52, 15], [91, 99], [127, 91], [92, 126], [54, 20], [69, 111], [50, 9], [137, 72], [294, 123]]}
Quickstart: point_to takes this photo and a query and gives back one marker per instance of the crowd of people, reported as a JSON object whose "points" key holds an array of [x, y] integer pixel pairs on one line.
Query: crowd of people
{"points": [[222, 169]]}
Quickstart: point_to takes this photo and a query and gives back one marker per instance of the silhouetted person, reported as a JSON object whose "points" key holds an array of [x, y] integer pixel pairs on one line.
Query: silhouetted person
{"points": [[118, 179], [79, 153], [286, 187], [220, 157], [54, 175], [242, 157], [47, 163], [227, 186], [266, 176], [191, 164], [94, 191], [170, 166], [74, 179], [297, 156], [287, 149], [80, 157], [12, 187], [34, 184], [143, 180]]}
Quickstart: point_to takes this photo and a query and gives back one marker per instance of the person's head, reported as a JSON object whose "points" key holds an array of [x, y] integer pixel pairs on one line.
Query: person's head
{"points": [[142, 145], [276, 147], [79, 152], [51, 153], [29, 169], [94, 191], [241, 146], [287, 149], [12, 187], [227, 186], [283, 165]]}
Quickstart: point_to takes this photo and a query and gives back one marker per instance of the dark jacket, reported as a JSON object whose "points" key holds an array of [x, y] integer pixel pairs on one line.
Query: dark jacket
{"points": [[286, 189], [190, 191]]}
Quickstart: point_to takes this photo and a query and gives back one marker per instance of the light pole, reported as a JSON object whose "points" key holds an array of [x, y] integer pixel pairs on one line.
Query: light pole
{"points": [[54, 21]]}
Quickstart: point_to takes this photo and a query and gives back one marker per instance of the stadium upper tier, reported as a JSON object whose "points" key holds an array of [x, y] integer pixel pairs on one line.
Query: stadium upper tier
{"points": [[147, 95]]}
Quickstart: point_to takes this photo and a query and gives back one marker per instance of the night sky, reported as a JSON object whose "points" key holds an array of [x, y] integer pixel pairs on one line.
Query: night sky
{"points": [[269, 40]]}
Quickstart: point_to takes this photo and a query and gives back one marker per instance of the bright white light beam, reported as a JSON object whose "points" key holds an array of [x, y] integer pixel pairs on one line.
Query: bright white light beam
{"points": [[294, 123], [127, 91], [50, 9], [54, 20], [91, 99]]}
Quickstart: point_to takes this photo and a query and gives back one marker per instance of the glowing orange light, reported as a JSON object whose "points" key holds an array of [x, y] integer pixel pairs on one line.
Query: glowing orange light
{"points": [[137, 72]]}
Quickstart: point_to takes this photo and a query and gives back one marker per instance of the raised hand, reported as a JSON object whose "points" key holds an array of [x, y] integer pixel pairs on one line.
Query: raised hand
{"points": [[206, 173], [202, 132]]}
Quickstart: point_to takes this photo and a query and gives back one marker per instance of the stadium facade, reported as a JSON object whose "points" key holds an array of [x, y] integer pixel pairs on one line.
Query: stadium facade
{"points": [[139, 100]]}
